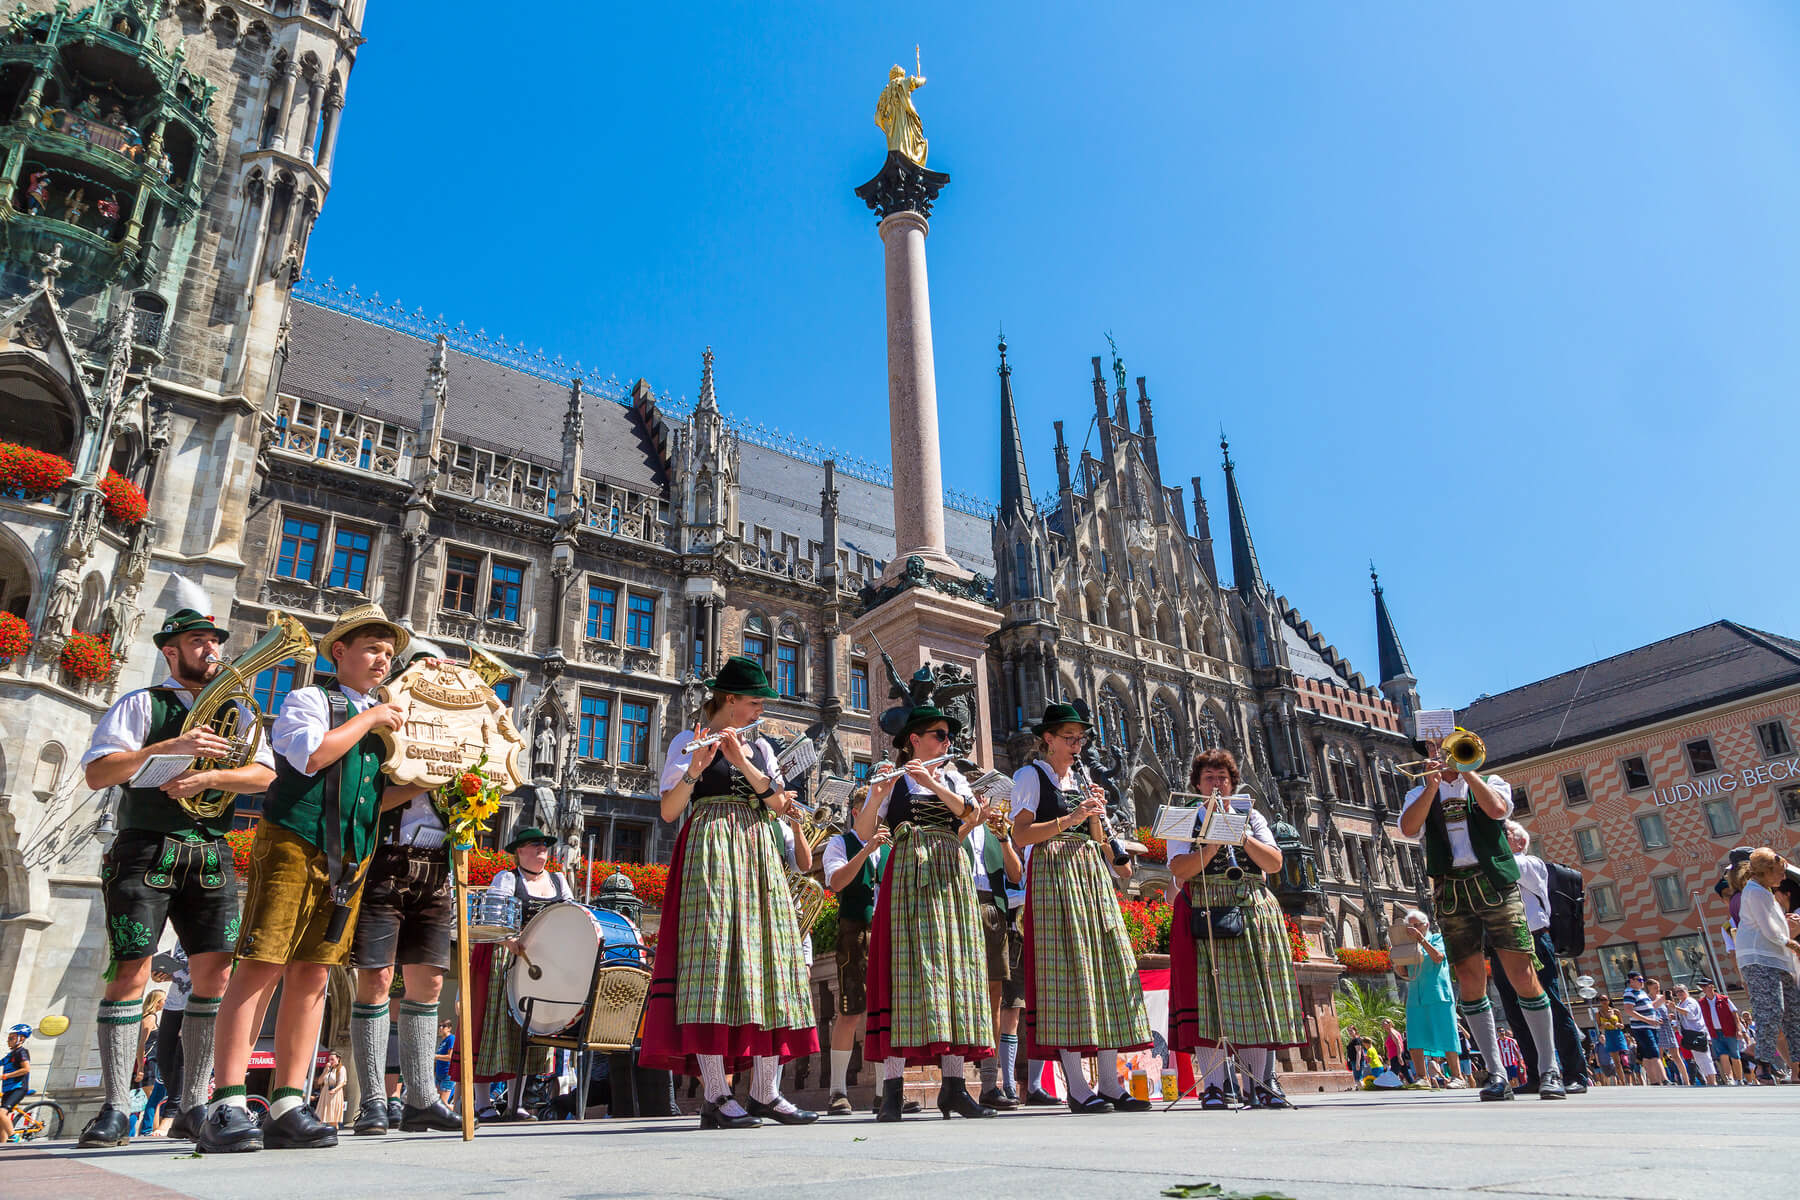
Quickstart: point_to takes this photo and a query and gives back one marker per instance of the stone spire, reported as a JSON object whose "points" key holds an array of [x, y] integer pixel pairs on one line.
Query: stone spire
{"points": [[1203, 539], [1246, 573], [573, 441], [1015, 487], [1392, 653], [708, 400]]}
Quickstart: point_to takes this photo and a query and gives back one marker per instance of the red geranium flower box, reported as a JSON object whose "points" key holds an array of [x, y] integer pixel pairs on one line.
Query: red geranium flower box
{"points": [[125, 503], [15, 636], [85, 656]]}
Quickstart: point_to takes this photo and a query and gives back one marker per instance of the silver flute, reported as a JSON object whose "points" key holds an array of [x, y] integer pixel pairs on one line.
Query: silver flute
{"points": [[716, 739], [887, 771]]}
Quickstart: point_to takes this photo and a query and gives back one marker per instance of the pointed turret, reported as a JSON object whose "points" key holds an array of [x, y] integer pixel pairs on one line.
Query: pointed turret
{"points": [[1398, 683], [1015, 486], [708, 401], [1246, 573]]}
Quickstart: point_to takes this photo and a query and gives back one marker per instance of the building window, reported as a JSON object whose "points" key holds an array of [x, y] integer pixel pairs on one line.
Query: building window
{"points": [[1618, 961], [272, 686], [1700, 757], [640, 621], [462, 575], [596, 715], [1721, 818], [787, 670], [1670, 897], [1790, 805], [634, 733], [700, 632], [629, 843], [505, 586], [1606, 901], [1774, 738], [602, 604], [1652, 832], [1574, 789], [1521, 803], [504, 691], [1687, 960], [350, 560], [1587, 844], [299, 551], [756, 648], [859, 687], [1637, 775], [859, 771]]}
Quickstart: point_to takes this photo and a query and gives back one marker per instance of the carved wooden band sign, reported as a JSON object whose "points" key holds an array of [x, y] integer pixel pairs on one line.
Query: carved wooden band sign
{"points": [[452, 718]]}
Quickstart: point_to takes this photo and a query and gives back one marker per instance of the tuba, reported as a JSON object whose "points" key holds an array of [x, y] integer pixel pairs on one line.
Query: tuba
{"points": [[228, 705]]}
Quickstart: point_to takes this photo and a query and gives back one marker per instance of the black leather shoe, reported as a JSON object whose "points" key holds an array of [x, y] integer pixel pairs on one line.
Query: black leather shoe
{"points": [[996, 1099], [396, 1112], [371, 1118], [1126, 1103], [298, 1128], [1039, 1098], [893, 1094], [228, 1129], [185, 1123], [1093, 1104], [1267, 1097], [953, 1097], [1213, 1099], [711, 1117], [1550, 1086], [435, 1116], [110, 1128], [1499, 1087], [1575, 1087], [772, 1112]]}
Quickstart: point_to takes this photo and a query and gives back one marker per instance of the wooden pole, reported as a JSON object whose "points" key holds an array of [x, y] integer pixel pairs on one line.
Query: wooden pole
{"points": [[466, 1059]]}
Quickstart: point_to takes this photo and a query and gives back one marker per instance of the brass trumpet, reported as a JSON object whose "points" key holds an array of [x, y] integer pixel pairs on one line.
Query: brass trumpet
{"points": [[1463, 750]]}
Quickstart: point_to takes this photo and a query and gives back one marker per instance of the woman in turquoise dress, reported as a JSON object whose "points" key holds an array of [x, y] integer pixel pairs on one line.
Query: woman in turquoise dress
{"points": [[1430, 1002]]}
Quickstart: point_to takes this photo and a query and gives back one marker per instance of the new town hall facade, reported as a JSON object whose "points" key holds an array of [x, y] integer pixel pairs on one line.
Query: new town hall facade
{"points": [[304, 448]]}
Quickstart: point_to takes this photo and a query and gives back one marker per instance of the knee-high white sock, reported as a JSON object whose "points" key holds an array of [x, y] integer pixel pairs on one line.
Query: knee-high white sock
{"points": [[1073, 1075], [1009, 1063], [840, 1071], [1210, 1062], [712, 1077], [119, 1021], [1257, 1063], [1536, 1011], [1480, 1016], [1106, 1075], [893, 1067]]}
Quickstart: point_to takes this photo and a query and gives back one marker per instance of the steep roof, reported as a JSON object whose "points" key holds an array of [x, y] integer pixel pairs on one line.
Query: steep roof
{"points": [[1711, 665], [1391, 655], [1015, 486], [1246, 572]]}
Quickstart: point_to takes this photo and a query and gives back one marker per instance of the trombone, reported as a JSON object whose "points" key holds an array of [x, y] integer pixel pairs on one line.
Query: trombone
{"points": [[1463, 750]]}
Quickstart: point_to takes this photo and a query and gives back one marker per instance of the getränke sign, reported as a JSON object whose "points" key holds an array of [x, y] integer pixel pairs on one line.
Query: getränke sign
{"points": [[1724, 782]]}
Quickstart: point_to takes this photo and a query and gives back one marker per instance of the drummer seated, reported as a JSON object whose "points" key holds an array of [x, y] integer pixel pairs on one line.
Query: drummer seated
{"points": [[530, 881]]}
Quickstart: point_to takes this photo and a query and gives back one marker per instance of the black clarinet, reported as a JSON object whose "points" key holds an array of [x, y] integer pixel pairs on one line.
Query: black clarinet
{"points": [[1119, 853]]}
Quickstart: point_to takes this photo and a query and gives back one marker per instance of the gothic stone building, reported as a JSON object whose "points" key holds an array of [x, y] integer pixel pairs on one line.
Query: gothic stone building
{"points": [[164, 164], [1110, 596]]}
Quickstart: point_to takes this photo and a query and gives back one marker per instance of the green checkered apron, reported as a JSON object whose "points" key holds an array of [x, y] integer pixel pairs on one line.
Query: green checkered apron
{"points": [[1084, 972], [938, 990], [738, 959], [1259, 1002]]}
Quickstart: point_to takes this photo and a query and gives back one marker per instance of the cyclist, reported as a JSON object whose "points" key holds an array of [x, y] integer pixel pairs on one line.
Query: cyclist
{"points": [[15, 1077]]}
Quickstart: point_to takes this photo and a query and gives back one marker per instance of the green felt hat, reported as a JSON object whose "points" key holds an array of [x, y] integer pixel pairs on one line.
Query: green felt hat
{"points": [[920, 717], [1059, 714], [186, 620], [742, 676], [531, 833]]}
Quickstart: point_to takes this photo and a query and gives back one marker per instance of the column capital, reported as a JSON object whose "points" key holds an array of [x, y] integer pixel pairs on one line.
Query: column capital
{"points": [[902, 186]]}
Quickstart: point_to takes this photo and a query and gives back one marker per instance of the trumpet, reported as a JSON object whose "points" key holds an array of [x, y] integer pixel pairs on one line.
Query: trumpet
{"points": [[1000, 824], [1463, 750], [717, 739], [887, 772]]}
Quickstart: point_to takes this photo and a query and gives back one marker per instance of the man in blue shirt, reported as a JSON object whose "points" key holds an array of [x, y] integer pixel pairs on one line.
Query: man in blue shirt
{"points": [[15, 1076], [1644, 1022]]}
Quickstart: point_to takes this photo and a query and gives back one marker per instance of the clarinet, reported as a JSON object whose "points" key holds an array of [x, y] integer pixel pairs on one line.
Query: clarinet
{"points": [[1119, 853]]}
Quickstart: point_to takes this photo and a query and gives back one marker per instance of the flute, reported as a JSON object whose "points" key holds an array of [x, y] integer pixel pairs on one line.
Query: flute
{"points": [[715, 739]]}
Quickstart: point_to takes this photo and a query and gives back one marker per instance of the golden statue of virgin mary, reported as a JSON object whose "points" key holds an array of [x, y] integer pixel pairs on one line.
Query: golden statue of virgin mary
{"points": [[895, 113]]}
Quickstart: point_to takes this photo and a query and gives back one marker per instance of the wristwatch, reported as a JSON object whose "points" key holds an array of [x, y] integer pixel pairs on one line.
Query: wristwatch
{"points": [[690, 780]]}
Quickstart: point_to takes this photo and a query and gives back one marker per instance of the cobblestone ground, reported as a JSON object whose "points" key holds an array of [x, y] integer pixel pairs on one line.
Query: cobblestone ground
{"points": [[1637, 1143]]}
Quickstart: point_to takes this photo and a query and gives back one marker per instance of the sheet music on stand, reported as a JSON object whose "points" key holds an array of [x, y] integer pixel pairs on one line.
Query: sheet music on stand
{"points": [[1227, 828], [834, 792], [798, 758], [992, 785]]}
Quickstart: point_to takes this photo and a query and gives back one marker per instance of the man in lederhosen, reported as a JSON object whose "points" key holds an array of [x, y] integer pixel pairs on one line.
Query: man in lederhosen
{"points": [[166, 865], [408, 917]]}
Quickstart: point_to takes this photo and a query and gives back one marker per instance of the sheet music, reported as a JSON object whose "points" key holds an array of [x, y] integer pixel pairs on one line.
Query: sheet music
{"points": [[798, 758], [834, 792], [1435, 724], [993, 785], [159, 769], [1175, 823], [1226, 828]]}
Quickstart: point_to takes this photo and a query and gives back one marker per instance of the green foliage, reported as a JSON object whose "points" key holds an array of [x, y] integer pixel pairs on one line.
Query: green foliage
{"points": [[1212, 1191], [1364, 1006]]}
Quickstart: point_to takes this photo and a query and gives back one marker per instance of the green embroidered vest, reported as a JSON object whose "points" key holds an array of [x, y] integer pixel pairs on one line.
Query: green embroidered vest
{"points": [[296, 801], [152, 810], [1486, 835]]}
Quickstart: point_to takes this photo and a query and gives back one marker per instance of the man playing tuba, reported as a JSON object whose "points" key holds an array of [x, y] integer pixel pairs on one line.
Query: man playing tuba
{"points": [[167, 864]]}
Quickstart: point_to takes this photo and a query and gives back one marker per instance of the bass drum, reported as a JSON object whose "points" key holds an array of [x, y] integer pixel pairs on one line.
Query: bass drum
{"points": [[555, 972]]}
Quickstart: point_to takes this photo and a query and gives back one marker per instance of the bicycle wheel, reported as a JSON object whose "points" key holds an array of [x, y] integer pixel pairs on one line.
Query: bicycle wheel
{"points": [[43, 1121], [259, 1109]]}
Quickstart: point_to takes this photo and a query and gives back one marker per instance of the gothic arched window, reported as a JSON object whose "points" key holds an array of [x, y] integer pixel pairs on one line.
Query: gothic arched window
{"points": [[1163, 737], [1210, 737], [1022, 571], [1115, 725]]}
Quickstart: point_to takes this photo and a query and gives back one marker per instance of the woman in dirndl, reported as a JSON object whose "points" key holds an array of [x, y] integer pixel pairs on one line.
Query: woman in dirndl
{"points": [[927, 975], [497, 1035], [1082, 992], [729, 990], [1255, 1005]]}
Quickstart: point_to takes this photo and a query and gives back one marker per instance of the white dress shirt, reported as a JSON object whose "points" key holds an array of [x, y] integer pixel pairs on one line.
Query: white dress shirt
{"points": [[304, 721], [1028, 786], [124, 726], [676, 764], [1534, 886], [1015, 892], [837, 857], [1462, 850]]}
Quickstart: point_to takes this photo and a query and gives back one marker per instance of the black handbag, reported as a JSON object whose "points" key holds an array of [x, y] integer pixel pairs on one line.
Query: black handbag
{"points": [[1693, 1039], [1225, 921]]}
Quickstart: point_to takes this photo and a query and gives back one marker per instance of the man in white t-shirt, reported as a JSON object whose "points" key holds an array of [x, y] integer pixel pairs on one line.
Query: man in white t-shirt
{"points": [[1534, 889]]}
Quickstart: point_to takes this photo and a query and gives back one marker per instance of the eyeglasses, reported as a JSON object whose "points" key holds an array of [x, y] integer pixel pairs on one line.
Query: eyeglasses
{"points": [[1073, 739], [937, 735]]}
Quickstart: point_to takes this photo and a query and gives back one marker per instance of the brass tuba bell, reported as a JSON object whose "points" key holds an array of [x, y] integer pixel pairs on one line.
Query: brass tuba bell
{"points": [[228, 705], [1463, 749]]}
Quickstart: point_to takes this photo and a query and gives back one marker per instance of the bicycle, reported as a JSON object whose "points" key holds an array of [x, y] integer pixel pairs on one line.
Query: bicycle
{"points": [[259, 1109], [36, 1120]]}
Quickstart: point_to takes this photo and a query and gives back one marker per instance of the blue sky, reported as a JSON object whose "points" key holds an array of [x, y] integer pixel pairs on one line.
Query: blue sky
{"points": [[1500, 296]]}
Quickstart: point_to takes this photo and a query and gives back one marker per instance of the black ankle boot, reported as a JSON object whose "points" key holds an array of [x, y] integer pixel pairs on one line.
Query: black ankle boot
{"points": [[953, 1097], [893, 1092]]}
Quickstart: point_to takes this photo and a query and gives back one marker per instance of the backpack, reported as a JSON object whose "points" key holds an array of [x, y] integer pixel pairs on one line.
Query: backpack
{"points": [[1568, 909]]}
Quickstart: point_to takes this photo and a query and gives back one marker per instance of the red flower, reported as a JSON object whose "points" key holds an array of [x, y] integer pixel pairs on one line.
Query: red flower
{"points": [[125, 503], [1364, 962], [85, 656], [470, 783], [32, 472], [1297, 947], [15, 636]]}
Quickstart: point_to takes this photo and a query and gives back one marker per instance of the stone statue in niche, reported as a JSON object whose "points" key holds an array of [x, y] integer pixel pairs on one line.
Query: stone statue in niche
{"points": [[123, 618], [544, 748], [65, 594]]}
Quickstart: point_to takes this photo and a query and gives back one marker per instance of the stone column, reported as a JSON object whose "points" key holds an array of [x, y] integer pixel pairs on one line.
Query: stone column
{"points": [[912, 397]]}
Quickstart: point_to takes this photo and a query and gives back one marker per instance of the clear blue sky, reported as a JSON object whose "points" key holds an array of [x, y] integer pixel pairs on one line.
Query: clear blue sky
{"points": [[1500, 295]]}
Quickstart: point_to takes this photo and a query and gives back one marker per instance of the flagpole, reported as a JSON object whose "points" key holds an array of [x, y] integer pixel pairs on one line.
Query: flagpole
{"points": [[466, 1059]]}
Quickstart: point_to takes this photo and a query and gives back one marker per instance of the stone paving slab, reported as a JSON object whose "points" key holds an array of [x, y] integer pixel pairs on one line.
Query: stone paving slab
{"points": [[1613, 1144]]}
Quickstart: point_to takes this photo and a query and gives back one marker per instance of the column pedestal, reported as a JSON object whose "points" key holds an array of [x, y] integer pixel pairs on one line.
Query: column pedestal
{"points": [[920, 626]]}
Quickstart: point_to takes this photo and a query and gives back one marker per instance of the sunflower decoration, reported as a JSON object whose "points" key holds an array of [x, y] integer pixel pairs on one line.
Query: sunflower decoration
{"points": [[467, 801]]}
